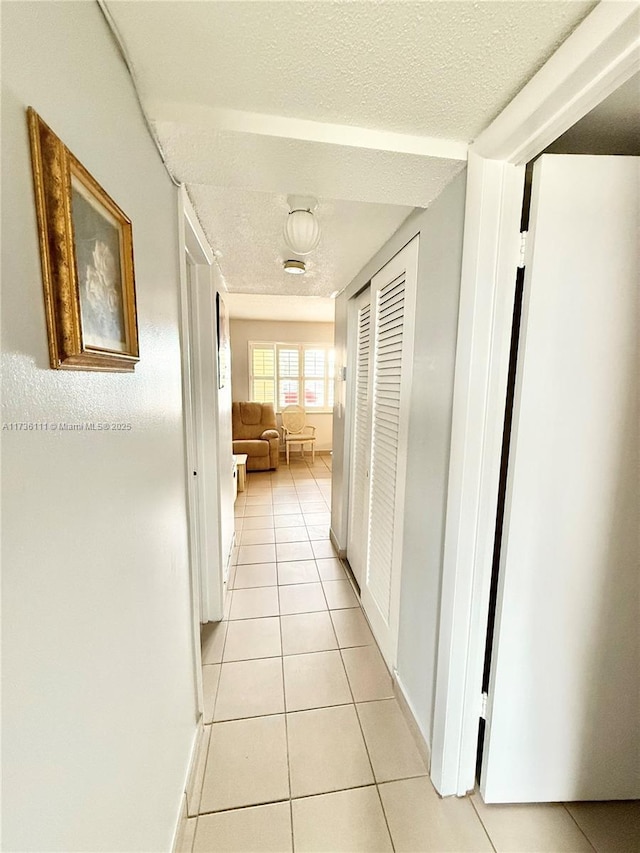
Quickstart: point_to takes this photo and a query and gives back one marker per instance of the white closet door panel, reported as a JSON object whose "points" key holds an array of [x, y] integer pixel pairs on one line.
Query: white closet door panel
{"points": [[564, 698], [359, 481], [393, 293]]}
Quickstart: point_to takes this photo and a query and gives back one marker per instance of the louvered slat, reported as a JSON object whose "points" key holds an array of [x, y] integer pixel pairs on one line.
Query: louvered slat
{"points": [[387, 369], [361, 433]]}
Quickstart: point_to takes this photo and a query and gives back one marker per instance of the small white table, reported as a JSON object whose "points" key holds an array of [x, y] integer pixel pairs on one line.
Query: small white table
{"points": [[240, 461]]}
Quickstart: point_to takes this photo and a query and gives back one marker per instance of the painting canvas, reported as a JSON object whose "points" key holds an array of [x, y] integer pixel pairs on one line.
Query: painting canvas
{"points": [[86, 249], [98, 245]]}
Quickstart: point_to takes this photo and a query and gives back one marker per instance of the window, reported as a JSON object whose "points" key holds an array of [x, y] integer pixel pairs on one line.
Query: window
{"points": [[292, 374]]}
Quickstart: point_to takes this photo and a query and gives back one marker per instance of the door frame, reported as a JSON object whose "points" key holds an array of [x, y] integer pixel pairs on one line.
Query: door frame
{"points": [[598, 57], [197, 339]]}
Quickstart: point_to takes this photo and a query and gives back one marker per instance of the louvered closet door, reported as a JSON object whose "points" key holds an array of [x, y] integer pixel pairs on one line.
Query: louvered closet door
{"points": [[393, 293], [361, 331]]}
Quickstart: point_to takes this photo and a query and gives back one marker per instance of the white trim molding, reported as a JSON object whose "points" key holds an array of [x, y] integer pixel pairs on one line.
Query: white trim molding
{"points": [[185, 235], [411, 718], [195, 240], [190, 800], [212, 119], [601, 55], [200, 393], [491, 252]]}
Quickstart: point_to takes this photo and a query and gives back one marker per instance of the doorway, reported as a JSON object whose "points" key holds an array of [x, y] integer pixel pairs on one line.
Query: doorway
{"points": [[563, 489], [206, 508], [593, 63]]}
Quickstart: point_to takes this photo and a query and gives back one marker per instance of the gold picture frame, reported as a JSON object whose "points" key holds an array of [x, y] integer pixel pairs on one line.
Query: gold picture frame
{"points": [[86, 251]]}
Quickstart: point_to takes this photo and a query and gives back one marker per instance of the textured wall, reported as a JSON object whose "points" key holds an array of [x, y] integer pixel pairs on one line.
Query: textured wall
{"points": [[243, 331], [98, 700]]}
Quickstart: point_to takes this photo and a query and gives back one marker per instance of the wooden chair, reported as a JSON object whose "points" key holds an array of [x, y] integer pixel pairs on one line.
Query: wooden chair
{"points": [[295, 430]]}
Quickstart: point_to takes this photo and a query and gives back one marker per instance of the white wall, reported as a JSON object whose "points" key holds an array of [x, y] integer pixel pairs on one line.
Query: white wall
{"points": [[243, 331], [98, 698], [439, 266]]}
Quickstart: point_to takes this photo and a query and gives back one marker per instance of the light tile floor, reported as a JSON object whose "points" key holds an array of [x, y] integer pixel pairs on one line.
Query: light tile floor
{"points": [[308, 749]]}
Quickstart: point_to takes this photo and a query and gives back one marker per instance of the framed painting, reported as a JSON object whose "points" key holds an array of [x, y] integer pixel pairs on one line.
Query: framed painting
{"points": [[86, 251]]}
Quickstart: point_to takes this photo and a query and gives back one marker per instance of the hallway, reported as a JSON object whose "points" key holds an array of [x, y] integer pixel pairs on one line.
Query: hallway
{"points": [[307, 746]]}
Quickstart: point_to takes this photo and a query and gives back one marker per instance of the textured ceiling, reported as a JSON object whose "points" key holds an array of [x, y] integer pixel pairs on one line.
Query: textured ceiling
{"points": [[433, 68], [368, 105], [272, 164], [246, 229]]}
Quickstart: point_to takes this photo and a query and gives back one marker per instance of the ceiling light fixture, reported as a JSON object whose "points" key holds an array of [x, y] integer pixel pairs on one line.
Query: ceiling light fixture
{"points": [[294, 267], [301, 228]]}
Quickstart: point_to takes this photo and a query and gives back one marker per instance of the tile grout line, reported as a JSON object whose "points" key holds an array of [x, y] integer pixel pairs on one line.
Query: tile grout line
{"points": [[284, 702], [278, 585], [589, 841], [286, 725], [217, 690], [210, 727], [246, 807], [366, 746], [486, 831], [308, 796], [384, 814], [299, 613], [299, 654], [315, 708], [353, 787]]}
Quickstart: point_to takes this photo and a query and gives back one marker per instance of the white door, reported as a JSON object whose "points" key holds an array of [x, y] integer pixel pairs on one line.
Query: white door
{"points": [[393, 294], [564, 696], [362, 334]]}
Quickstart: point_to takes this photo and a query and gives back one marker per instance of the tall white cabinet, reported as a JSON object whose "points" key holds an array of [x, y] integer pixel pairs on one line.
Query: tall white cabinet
{"points": [[416, 345], [382, 339], [362, 336]]}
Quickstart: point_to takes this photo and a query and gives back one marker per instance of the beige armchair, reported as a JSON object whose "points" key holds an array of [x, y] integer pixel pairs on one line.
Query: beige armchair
{"points": [[255, 433]]}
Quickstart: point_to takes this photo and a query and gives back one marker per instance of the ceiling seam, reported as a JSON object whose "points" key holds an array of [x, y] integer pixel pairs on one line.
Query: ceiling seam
{"points": [[122, 50]]}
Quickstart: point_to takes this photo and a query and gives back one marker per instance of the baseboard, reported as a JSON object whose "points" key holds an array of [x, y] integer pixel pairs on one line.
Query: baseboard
{"points": [[342, 552], [411, 719], [180, 824], [407, 709], [190, 798], [193, 784], [181, 836]]}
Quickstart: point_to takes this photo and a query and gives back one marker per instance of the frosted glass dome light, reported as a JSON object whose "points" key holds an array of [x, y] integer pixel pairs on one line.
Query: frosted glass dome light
{"points": [[301, 228]]}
